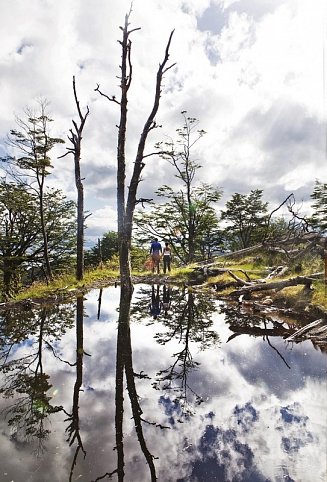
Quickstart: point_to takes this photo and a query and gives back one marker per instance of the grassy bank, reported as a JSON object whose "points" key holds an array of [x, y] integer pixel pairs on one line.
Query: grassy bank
{"points": [[92, 279], [256, 267], [67, 282]]}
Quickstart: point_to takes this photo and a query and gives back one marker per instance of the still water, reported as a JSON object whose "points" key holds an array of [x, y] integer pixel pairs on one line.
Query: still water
{"points": [[190, 390]]}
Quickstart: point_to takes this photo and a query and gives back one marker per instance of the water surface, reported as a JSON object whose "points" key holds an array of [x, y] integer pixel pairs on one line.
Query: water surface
{"points": [[192, 390]]}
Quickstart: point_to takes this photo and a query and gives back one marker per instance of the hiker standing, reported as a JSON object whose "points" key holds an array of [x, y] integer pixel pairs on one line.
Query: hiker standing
{"points": [[166, 257], [155, 251]]}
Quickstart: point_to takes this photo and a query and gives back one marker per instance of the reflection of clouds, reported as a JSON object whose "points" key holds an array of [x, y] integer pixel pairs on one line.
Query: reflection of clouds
{"points": [[259, 364], [255, 423]]}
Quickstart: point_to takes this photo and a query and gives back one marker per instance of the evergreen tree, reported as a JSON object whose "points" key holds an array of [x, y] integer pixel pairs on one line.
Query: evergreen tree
{"points": [[246, 216], [319, 206]]}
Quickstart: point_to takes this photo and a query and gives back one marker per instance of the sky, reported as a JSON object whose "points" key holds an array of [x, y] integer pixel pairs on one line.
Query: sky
{"points": [[251, 71]]}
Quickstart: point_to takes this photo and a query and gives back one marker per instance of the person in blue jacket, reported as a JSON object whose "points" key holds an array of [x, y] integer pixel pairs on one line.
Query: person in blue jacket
{"points": [[156, 251]]}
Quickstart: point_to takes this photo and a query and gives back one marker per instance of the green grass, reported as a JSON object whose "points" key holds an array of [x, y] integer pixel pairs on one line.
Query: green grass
{"points": [[254, 267], [319, 296], [66, 281]]}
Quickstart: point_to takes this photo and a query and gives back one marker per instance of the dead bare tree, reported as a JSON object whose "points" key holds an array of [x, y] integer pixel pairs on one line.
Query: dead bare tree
{"points": [[76, 140], [126, 207]]}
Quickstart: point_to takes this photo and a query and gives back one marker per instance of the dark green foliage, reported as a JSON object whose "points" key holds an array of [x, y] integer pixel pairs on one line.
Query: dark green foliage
{"points": [[319, 206], [104, 250], [22, 374], [21, 240], [246, 216], [31, 143]]}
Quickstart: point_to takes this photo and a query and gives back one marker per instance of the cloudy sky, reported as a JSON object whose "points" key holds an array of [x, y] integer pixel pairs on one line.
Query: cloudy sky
{"points": [[251, 71]]}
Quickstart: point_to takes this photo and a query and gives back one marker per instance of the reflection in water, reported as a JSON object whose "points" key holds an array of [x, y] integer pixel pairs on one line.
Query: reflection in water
{"points": [[124, 364], [202, 393], [264, 326], [155, 305], [73, 429], [99, 302], [24, 377], [166, 299], [191, 323]]}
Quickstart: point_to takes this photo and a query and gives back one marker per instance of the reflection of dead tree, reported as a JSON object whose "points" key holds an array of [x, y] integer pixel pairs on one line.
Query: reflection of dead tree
{"points": [[315, 331], [274, 348], [73, 430], [99, 303], [124, 365], [136, 409]]}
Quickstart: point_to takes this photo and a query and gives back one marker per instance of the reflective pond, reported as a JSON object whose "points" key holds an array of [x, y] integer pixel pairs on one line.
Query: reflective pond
{"points": [[190, 389]]}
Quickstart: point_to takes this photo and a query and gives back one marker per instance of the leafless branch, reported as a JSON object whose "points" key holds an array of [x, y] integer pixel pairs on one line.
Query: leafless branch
{"points": [[274, 211], [143, 200], [111, 99], [107, 474]]}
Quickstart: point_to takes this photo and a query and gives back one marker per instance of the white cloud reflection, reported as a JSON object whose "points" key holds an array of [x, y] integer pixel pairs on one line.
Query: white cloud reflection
{"points": [[258, 420]]}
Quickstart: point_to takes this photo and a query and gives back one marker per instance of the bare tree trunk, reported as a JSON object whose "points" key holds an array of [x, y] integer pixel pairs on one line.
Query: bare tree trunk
{"points": [[76, 140], [125, 209], [43, 228]]}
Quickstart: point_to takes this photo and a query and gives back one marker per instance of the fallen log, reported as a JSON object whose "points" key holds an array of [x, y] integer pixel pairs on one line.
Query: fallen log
{"points": [[277, 272], [238, 279], [207, 270], [278, 285], [257, 331], [315, 330]]}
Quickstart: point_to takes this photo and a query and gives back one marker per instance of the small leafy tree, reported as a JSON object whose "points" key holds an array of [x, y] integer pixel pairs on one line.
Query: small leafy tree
{"points": [[188, 217], [19, 230], [246, 216], [104, 250], [32, 142]]}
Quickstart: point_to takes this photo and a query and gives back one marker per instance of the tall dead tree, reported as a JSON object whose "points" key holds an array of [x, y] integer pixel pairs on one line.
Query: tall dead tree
{"points": [[126, 207], [76, 140]]}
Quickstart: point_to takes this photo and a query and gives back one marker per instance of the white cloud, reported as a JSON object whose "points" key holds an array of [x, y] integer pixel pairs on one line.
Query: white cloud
{"points": [[233, 59]]}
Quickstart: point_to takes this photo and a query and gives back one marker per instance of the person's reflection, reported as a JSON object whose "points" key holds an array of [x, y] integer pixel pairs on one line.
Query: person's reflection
{"points": [[166, 299], [155, 305]]}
